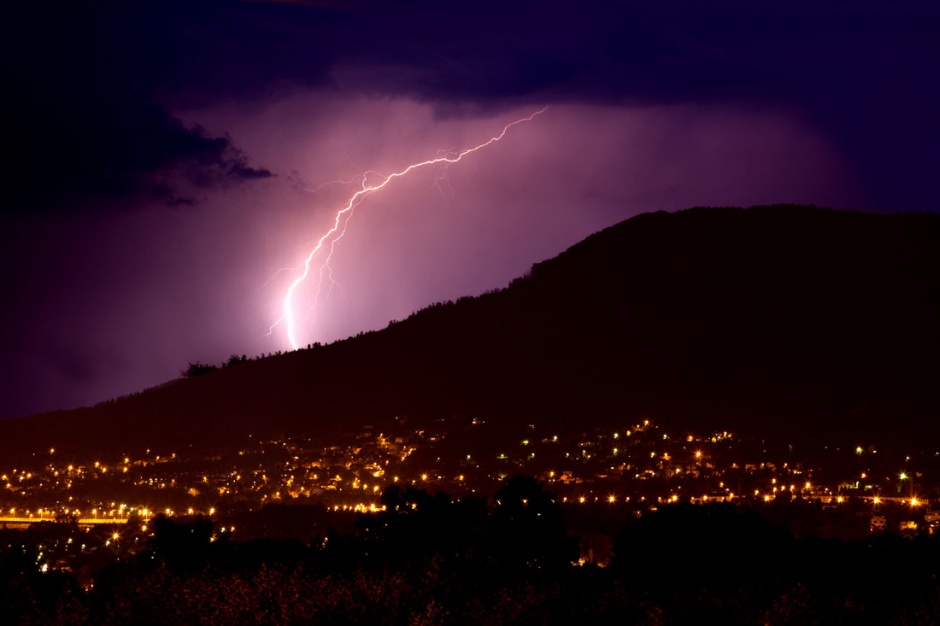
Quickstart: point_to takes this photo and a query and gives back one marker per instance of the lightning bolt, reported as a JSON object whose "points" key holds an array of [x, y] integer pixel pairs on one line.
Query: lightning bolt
{"points": [[327, 243]]}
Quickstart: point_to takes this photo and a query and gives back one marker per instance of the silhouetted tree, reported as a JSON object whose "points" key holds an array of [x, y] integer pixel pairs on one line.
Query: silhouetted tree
{"points": [[234, 360], [526, 528], [418, 527], [183, 546], [198, 369], [680, 545]]}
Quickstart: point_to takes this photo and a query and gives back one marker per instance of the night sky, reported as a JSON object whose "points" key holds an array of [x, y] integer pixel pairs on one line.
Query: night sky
{"points": [[169, 165]]}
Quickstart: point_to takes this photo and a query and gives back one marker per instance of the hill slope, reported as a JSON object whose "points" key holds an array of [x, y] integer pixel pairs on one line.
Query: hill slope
{"points": [[801, 320]]}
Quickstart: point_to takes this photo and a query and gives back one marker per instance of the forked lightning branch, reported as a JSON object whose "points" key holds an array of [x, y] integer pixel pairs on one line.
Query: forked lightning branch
{"points": [[316, 265]]}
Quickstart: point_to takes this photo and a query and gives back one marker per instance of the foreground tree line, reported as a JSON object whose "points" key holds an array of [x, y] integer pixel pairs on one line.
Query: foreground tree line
{"points": [[428, 559]]}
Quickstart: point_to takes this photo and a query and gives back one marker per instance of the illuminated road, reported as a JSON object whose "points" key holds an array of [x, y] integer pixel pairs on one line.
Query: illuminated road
{"points": [[10, 520]]}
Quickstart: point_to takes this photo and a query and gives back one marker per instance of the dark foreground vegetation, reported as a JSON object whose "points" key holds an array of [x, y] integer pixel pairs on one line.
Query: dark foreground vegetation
{"points": [[428, 559]]}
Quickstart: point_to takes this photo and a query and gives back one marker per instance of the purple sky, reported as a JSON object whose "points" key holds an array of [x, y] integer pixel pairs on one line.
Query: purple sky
{"points": [[165, 161]]}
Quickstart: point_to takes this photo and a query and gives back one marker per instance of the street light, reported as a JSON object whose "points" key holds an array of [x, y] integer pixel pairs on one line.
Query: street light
{"points": [[903, 476]]}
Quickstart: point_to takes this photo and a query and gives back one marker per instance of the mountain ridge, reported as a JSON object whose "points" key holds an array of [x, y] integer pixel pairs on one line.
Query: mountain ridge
{"points": [[773, 318]]}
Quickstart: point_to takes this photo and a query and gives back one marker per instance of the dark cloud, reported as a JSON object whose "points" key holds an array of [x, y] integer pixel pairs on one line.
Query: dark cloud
{"points": [[595, 50], [91, 81], [83, 119], [864, 73], [111, 149]]}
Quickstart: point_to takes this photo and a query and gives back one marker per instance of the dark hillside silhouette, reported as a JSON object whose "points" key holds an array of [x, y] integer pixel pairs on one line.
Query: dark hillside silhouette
{"points": [[778, 319]]}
